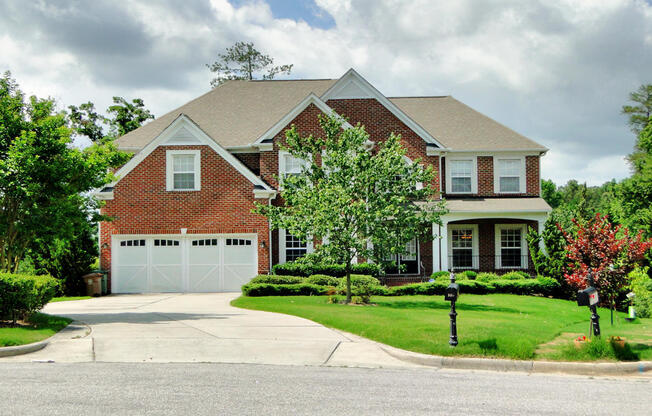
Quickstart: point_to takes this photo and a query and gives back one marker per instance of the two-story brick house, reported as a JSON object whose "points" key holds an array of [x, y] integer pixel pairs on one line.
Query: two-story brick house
{"points": [[181, 207]]}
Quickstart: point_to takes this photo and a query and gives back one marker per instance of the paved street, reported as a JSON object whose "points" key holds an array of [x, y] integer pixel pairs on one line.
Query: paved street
{"points": [[198, 328], [219, 389]]}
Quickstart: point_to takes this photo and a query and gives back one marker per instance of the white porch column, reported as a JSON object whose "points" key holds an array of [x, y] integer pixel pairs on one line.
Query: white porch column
{"points": [[540, 224], [444, 245], [436, 266]]}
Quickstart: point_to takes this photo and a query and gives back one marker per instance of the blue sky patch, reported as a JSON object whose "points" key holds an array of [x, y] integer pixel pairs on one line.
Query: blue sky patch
{"points": [[305, 10]]}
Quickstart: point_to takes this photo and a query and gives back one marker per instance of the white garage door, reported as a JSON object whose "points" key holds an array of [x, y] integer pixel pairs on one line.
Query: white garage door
{"points": [[189, 263]]}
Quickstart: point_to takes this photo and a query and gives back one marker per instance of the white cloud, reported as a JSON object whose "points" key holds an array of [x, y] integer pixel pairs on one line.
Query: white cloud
{"points": [[555, 70]]}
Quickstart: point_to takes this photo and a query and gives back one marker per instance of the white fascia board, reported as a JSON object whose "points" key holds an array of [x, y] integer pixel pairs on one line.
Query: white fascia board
{"points": [[491, 152], [187, 122], [103, 196], [264, 194], [352, 76], [310, 99], [242, 149]]}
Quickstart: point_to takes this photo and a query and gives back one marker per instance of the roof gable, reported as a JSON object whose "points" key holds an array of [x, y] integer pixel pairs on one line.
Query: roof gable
{"points": [[352, 85], [183, 131], [292, 114]]}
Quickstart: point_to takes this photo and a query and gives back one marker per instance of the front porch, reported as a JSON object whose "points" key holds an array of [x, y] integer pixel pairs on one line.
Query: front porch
{"points": [[487, 235]]}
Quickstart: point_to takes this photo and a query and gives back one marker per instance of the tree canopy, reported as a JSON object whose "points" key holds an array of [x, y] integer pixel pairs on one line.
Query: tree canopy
{"points": [[42, 176], [244, 61], [358, 201], [639, 113]]}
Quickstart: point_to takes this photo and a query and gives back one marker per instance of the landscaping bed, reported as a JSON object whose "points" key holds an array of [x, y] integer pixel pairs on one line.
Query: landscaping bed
{"points": [[491, 325]]}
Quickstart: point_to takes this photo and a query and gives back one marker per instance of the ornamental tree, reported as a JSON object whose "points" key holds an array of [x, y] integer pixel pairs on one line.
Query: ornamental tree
{"points": [[356, 196], [608, 250]]}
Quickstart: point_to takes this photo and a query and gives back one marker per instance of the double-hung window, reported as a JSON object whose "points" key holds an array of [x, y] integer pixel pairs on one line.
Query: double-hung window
{"points": [[292, 247], [511, 251], [463, 246], [509, 176], [290, 165], [461, 176], [183, 170]]}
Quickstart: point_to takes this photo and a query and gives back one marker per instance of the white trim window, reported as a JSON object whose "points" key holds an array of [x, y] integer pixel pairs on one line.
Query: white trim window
{"points": [[510, 175], [290, 165], [463, 246], [511, 249], [183, 170], [461, 177], [292, 248]]}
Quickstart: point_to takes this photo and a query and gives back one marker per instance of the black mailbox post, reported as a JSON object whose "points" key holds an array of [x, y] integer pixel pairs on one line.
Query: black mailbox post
{"points": [[589, 297], [451, 295]]}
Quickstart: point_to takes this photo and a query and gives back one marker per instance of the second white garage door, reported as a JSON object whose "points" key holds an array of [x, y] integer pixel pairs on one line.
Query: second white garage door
{"points": [[190, 263]]}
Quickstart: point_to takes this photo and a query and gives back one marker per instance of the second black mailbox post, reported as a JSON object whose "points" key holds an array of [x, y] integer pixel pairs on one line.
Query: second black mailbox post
{"points": [[451, 294]]}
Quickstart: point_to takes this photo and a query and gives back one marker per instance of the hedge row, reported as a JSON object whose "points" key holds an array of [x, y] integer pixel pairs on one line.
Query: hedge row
{"points": [[21, 294], [297, 289], [541, 285], [335, 270]]}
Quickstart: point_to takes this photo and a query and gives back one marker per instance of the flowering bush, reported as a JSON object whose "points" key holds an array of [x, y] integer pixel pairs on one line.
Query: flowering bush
{"points": [[609, 251]]}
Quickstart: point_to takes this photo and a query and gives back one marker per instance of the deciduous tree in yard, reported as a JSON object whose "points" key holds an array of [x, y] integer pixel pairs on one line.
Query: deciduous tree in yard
{"points": [[41, 174], [357, 196], [609, 251]]}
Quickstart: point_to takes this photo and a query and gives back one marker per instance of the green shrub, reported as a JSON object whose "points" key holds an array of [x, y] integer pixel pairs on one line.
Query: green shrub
{"points": [[370, 269], [641, 285], [305, 269], [487, 277], [276, 279], [471, 274], [322, 280], [474, 287], [514, 276], [432, 288], [267, 289], [362, 285], [438, 274], [21, 295]]}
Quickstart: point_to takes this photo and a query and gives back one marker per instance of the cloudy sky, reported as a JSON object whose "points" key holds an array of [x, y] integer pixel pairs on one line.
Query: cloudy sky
{"points": [[557, 71]]}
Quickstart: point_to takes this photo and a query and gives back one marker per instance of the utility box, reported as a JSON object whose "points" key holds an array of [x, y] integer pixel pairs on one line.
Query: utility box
{"points": [[452, 292], [93, 284], [588, 297]]}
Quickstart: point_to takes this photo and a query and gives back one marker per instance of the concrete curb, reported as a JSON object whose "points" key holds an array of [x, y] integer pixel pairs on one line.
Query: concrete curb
{"points": [[466, 363], [74, 329], [24, 349]]}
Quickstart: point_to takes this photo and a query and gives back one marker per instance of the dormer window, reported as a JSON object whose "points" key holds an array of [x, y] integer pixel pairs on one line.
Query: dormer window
{"points": [[183, 170]]}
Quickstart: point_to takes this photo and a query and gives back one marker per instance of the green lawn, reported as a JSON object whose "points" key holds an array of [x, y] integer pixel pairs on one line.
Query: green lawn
{"points": [[41, 326], [67, 298], [497, 325]]}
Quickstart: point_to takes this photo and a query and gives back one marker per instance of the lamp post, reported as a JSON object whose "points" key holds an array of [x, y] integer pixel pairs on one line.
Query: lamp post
{"points": [[452, 292]]}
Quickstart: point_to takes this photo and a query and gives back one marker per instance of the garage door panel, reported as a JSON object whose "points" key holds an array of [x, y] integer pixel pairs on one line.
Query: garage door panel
{"points": [[204, 265], [184, 264]]}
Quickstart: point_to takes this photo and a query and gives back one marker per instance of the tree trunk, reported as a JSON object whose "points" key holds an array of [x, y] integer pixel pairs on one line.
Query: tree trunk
{"points": [[348, 282]]}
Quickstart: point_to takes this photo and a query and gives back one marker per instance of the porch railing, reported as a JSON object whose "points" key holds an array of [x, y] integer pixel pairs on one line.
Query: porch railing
{"points": [[483, 262]]}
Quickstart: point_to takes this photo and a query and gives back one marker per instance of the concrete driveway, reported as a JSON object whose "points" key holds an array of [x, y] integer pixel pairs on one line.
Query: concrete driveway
{"points": [[198, 328]]}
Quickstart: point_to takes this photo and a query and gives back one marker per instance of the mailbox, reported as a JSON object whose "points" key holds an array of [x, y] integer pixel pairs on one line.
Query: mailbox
{"points": [[587, 297], [452, 292]]}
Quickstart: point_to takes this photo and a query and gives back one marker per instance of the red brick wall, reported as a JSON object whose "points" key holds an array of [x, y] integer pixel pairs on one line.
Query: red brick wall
{"points": [[485, 175], [250, 160], [379, 122], [141, 204], [533, 176]]}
